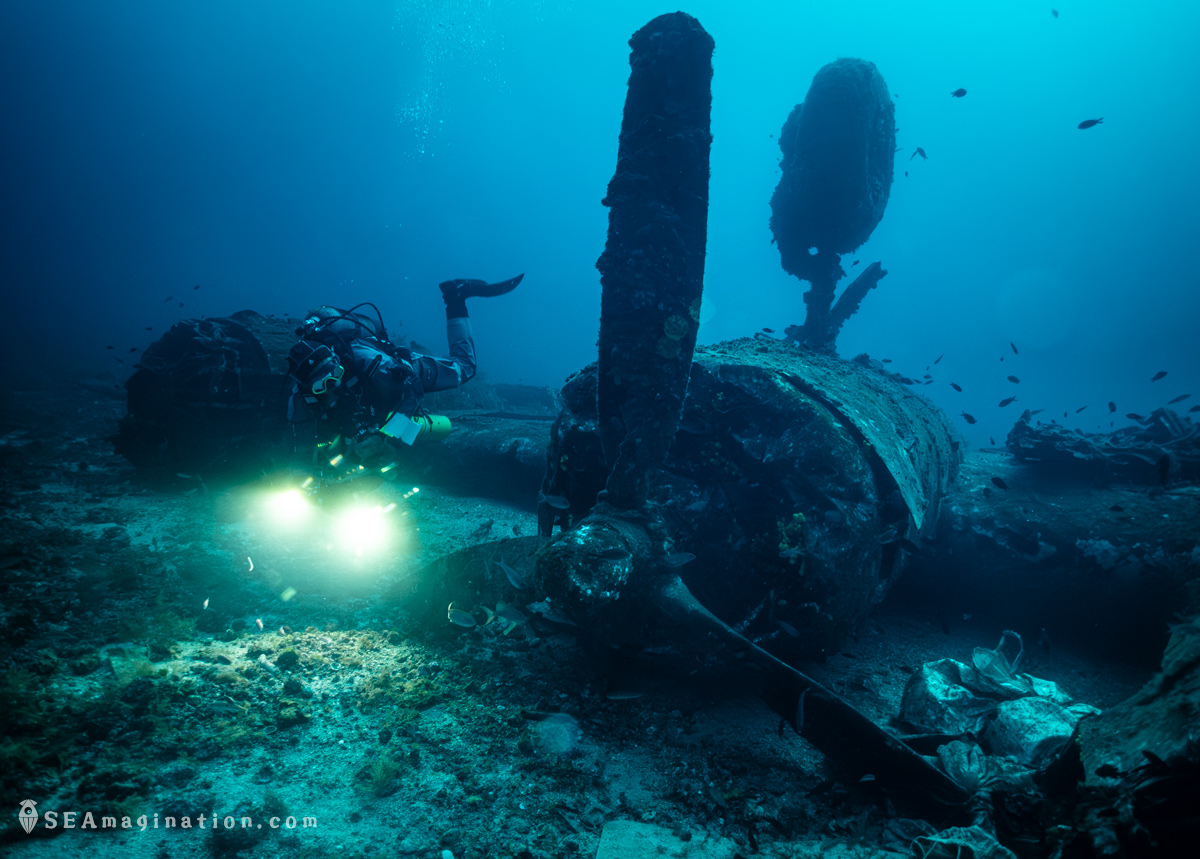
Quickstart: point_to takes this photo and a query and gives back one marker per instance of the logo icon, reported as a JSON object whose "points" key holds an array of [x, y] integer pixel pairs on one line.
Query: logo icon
{"points": [[28, 815]]}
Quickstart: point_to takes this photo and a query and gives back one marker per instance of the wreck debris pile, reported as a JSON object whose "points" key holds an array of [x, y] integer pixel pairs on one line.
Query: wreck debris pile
{"points": [[1163, 447], [1139, 763], [838, 148], [210, 395]]}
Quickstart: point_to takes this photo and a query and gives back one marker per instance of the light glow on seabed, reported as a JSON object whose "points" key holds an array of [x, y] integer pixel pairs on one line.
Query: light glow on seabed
{"points": [[289, 508], [364, 530]]}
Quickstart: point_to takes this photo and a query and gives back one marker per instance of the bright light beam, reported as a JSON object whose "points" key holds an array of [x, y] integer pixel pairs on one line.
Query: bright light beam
{"points": [[363, 530], [288, 508]]}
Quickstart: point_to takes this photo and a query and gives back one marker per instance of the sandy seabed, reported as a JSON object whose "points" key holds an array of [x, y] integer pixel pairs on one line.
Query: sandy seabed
{"points": [[138, 683]]}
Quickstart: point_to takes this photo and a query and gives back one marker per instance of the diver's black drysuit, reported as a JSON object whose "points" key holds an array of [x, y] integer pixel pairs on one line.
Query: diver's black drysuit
{"points": [[380, 378], [377, 377]]}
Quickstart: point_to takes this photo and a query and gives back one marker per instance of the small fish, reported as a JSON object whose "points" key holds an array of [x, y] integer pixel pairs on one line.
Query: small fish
{"points": [[459, 617], [1088, 123], [1080, 409], [181, 304], [1178, 399], [1044, 640], [678, 559], [510, 613], [999, 482], [927, 376], [959, 93], [800, 712], [1159, 375], [956, 387], [886, 360], [968, 418], [149, 327], [623, 695], [1054, 12], [1117, 508], [1134, 416], [787, 628], [205, 605], [251, 563], [888, 536], [514, 578], [992, 440], [791, 553], [133, 348], [109, 347], [197, 286], [168, 298], [548, 612], [939, 357], [909, 546], [905, 174], [1014, 380], [921, 152], [558, 502], [1112, 407], [516, 530], [1194, 409], [258, 622], [1014, 347], [768, 331], [1007, 401], [853, 264]]}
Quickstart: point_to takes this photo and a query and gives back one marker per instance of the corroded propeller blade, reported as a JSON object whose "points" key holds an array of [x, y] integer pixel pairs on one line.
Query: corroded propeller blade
{"points": [[652, 268]]}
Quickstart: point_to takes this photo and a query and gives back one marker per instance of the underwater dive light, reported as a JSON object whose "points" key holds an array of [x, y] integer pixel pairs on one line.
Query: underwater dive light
{"points": [[289, 508]]}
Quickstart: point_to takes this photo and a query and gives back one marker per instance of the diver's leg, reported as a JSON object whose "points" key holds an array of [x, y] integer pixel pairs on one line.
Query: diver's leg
{"points": [[460, 366], [462, 346], [438, 374]]}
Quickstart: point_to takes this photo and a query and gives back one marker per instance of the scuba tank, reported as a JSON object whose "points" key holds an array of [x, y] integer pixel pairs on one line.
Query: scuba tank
{"points": [[418, 428]]}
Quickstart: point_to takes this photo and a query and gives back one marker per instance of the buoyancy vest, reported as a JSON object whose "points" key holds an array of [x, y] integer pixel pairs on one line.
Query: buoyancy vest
{"points": [[380, 378]]}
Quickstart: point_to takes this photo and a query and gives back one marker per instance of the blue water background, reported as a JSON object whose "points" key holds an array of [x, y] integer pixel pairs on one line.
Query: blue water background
{"points": [[281, 155]]}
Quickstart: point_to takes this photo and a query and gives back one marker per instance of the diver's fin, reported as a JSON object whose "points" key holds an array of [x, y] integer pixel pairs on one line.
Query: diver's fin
{"points": [[490, 290], [480, 289]]}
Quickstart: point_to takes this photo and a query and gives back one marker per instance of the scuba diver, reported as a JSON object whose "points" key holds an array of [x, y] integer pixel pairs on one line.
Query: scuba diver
{"points": [[352, 382]]}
